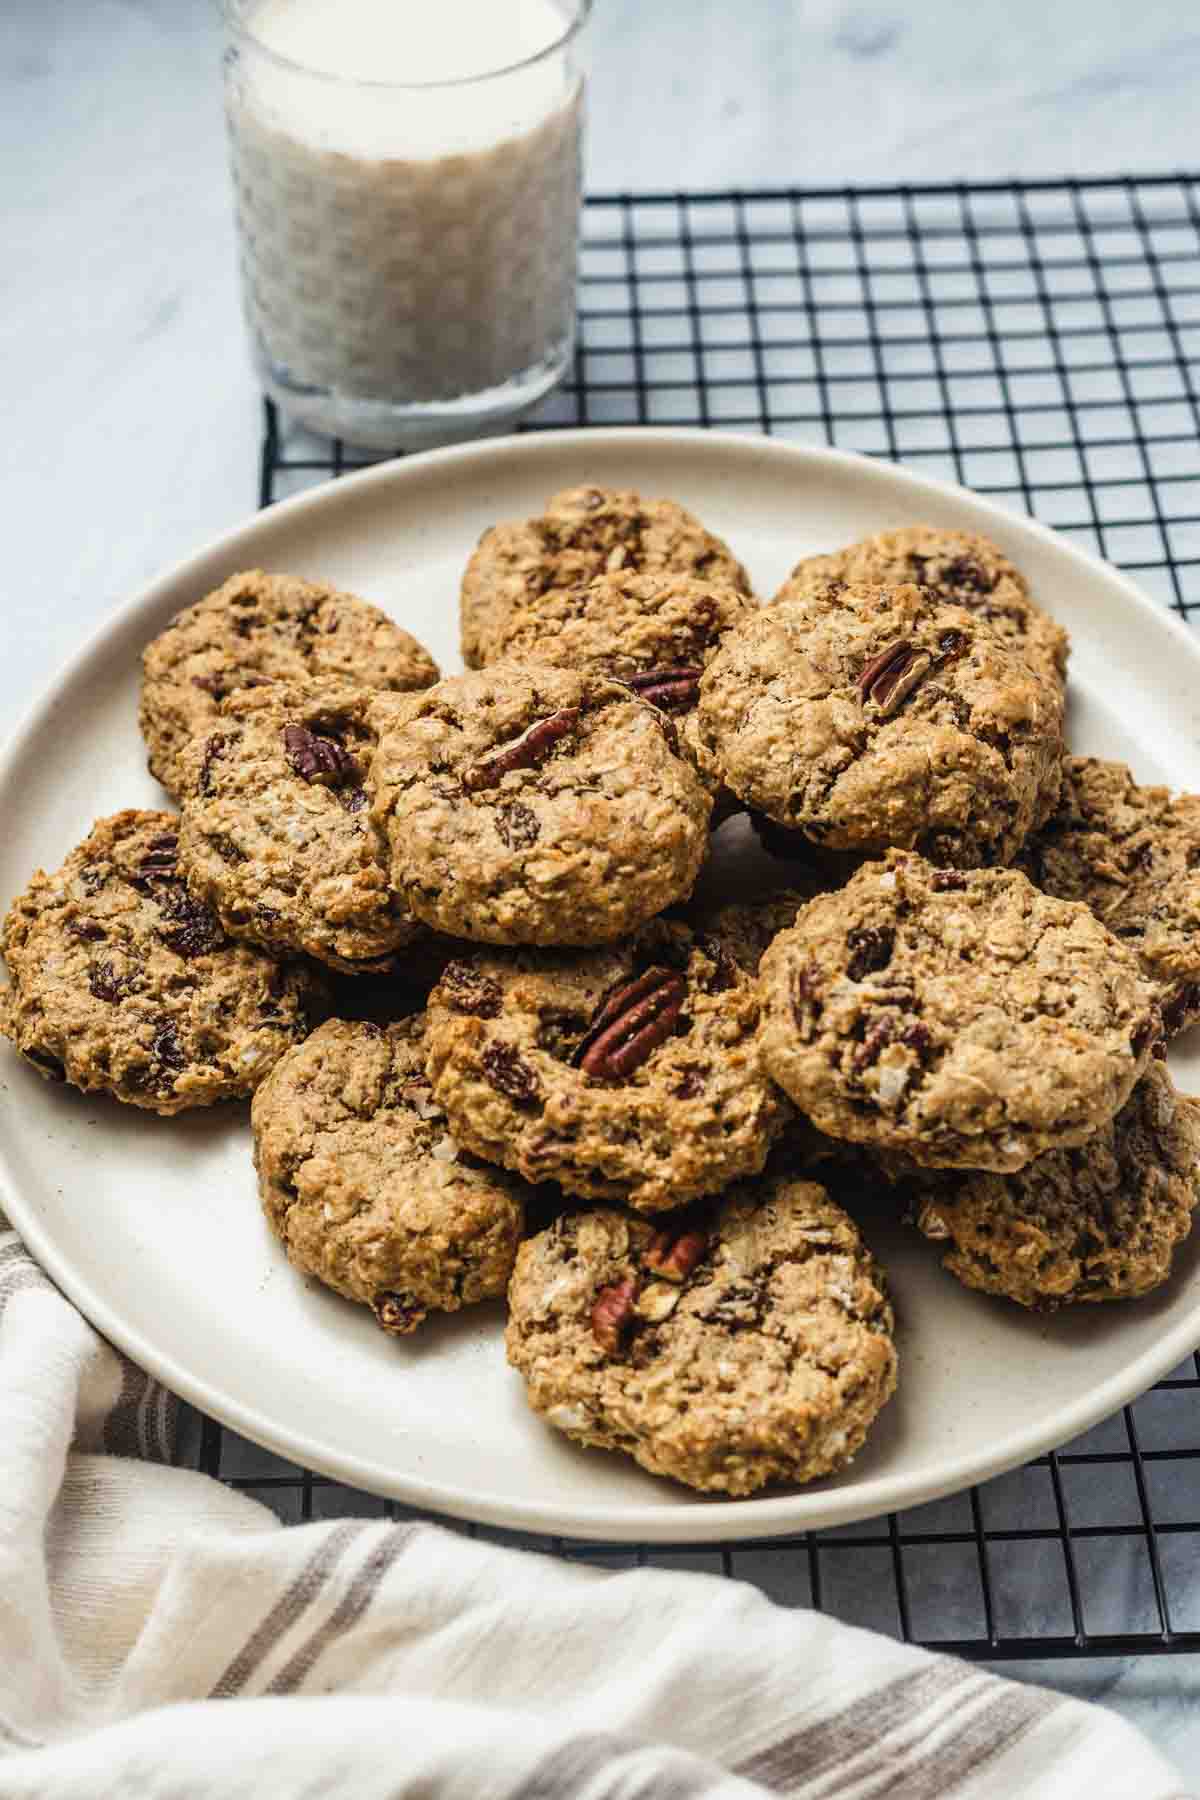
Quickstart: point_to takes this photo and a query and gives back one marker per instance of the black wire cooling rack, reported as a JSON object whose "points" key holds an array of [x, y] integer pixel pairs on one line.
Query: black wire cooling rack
{"points": [[1039, 342]]}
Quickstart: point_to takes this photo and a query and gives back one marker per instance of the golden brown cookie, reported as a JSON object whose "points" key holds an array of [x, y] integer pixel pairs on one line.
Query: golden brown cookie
{"points": [[750, 1344], [963, 1017], [960, 568], [277, 834], [257, 628], [868, 718], [124, 983], [535, 806], [1133, 854], [625, 1073], [584, 532], [1100, 1222], [366, 1188]]}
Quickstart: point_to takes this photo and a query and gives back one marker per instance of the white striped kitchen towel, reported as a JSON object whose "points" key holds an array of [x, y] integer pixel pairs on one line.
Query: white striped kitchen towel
{"points": [[163, 1638]]}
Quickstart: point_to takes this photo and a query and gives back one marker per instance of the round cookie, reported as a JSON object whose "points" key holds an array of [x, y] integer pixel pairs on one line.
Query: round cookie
{"points": [[535, 806], [123, 983], [628, 1073], [1100, 1222], [365, 1187], [870, 718], [584, 532], [277, 834], [965, 1018], [750, 1344], [957, 567], [260, 628], [1133, 854]]}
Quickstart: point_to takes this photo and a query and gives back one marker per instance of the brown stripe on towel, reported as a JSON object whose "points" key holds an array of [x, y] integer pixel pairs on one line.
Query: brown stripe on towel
{"points": [[291, 1605]]}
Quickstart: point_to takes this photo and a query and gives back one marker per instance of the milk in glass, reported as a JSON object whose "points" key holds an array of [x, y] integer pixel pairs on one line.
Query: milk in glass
{"points": [[407, 180]]}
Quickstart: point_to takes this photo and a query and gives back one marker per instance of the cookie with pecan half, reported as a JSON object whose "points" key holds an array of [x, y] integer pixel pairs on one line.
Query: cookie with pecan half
{"points": [[961, 1016], [959, 567], [1100, 1222], [528, 805], [625, 1073], [868, 718], [751, 1344], [584, 532], [124, 983], [257, 628], [366, 1188], [277, 834], [1133, 854]]}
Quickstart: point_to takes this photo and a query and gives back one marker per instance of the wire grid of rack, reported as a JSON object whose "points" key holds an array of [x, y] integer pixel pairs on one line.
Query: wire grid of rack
{"points": [[1039, 342]]}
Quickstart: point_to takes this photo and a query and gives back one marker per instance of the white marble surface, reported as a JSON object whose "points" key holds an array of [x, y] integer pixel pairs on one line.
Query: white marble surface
{"points": [[131, 427]]}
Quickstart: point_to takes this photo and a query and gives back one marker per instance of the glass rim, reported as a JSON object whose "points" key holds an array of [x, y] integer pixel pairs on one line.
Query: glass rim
{"points": [[237, 24]]}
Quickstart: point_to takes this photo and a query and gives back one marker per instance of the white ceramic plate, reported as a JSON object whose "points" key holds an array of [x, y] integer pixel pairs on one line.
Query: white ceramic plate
{"points": [[152, 1226]]}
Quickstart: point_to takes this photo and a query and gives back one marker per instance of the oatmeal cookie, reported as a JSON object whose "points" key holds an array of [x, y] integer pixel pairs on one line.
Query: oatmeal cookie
{"points": [[965, 1018], [870, 718], [260, 628], [277, 834], [956, 566], [628, 1073], [750, 1344], [1100, 1222], [123, 983], [535, 806], [584, 532], [365, 1187], [1133, 854]]}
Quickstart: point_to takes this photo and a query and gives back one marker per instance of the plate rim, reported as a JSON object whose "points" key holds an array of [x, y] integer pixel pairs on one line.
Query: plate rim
{"points": [[700, 1519]]}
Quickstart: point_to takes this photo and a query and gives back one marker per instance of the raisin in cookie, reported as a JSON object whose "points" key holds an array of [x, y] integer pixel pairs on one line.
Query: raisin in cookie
{"points": [[123, 983], [260, 628], [629, 1073], [963, 1017], [584, 532], [870, 717], [365, 1187], [535, 806], [1100, 1222], [752, 1344], [958, 567], [277, 834], [1133, 854]]}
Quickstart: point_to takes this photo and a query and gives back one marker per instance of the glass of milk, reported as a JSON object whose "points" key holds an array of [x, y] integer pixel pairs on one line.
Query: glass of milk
{"points": [[407, 175]]}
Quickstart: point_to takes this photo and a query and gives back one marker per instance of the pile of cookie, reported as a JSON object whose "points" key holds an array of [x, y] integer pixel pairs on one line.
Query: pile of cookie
{"points": [[447, 932]]}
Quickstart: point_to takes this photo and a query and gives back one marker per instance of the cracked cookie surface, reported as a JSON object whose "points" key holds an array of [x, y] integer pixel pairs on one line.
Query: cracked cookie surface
{"points": [[535, 805], [1133, 854], [277, 834], [364, 1185], [751, 1345], [1100, 1222], [958, 567], [584, 532], [124, 983], [869, 718], [963, 1017], [257, 628], [626, 1073]]}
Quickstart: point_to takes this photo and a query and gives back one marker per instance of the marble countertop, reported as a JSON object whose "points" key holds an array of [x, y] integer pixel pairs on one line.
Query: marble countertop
{"points": [[132, 416]]}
